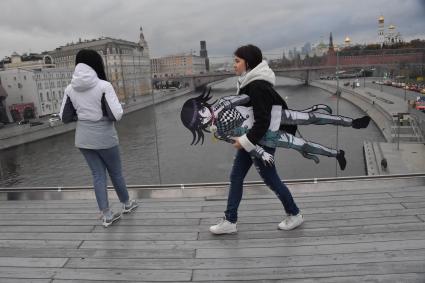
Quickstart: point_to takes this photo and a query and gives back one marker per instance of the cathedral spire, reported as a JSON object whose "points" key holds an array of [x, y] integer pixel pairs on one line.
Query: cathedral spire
{"points": [[331, 43], [143, 43], [142, 37]]}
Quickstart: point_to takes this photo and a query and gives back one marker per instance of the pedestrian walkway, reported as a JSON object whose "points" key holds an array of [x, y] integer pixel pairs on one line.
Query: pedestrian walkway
{"points": [[394, 156], [355, 231], [390, 103], [379, 106]]}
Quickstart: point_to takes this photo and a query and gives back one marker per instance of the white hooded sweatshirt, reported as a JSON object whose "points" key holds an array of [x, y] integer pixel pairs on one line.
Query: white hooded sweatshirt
{"points": [[261, 72], [94, 131], [85, 92]]}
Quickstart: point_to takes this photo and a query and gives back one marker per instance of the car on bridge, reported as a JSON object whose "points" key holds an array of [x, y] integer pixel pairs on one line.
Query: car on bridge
{"points": [[420, 103]]}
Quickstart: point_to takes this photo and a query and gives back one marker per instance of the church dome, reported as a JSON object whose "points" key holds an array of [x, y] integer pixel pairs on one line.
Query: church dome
{"points": [[381, 19]]}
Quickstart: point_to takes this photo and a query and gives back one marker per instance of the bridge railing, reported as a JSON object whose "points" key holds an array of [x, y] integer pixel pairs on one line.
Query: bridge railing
{"points": [[195, 189]]}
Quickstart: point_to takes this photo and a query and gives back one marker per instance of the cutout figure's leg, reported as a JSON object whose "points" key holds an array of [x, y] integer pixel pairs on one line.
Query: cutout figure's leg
{"points": [[309, 149], [292, 117], [311, 156], [287, 140]]}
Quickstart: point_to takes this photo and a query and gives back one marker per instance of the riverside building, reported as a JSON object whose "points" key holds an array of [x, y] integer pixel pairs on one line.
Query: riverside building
{"points": [[127, 64], [35, 83], [183, 64]]}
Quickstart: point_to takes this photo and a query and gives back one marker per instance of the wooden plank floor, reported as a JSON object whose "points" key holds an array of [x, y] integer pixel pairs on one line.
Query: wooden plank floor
{"points": [[368, 233]]}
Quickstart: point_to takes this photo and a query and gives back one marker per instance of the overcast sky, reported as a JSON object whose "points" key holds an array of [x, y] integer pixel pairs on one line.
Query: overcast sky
{"points": [[172, 26]]}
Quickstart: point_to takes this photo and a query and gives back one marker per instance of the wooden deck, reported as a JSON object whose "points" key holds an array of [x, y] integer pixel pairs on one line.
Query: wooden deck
{"points": [[365, 231]]}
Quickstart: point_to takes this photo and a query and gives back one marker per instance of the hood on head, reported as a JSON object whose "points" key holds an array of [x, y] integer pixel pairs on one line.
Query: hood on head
{"points": [[261, 72], [84, 77]]}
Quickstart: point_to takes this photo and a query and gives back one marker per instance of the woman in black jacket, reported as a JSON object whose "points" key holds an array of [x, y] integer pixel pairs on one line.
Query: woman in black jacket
{"points": [[255, 80], [256, 121]]}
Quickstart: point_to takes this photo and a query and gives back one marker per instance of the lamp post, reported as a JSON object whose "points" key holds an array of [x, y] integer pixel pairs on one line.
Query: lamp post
{"points": [[338, 92], [382, 61], [399, 116], [337, 72], [405, 91], [382, 82]]}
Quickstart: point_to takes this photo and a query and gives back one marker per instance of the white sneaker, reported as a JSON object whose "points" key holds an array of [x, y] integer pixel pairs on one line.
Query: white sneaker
{"points": [[291, 222], [223, 227]]}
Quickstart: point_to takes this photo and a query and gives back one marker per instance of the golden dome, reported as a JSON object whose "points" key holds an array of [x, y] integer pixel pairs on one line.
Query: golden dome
{"points": [[392, 27], [347, 39], [381, 19]]}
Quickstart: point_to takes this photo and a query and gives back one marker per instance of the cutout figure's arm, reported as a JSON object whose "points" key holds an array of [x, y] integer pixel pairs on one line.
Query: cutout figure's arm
{"points": [[262, 155], [318, 107], [230, 101], [257, 152]]}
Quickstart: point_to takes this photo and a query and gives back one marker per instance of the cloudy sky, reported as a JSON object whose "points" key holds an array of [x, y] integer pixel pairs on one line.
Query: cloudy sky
{"points": [[173, 26]]}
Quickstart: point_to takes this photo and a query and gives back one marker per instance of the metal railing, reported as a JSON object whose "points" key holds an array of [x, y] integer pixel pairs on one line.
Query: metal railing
{"points": [[215, 184]]}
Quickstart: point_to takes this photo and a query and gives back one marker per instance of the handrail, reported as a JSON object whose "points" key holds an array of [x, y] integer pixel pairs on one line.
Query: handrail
{"points": [[216, 184]]}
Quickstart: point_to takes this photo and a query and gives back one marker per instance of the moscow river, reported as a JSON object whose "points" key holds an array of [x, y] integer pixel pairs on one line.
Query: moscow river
{"points": [[163, 153]]}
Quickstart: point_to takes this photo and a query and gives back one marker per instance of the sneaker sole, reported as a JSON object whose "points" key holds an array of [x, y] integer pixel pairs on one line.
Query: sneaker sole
{"points": [[224, 233], [106, 225], [126, 211], [285, 229]]}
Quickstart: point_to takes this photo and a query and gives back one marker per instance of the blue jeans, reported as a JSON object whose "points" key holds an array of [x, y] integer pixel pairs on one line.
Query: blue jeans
{"points": [[241, 165], [100, 160]]}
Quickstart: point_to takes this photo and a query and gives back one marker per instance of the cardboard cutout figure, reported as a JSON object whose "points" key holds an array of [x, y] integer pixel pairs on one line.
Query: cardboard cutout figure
{"points": [[228, 118]]}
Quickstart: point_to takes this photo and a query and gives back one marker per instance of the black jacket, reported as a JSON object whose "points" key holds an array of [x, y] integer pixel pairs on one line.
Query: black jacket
{"points": [[262, 97]]}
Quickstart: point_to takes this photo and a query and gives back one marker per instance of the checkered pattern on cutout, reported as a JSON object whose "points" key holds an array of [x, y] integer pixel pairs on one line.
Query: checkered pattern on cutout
{"points": [[228, 120]]}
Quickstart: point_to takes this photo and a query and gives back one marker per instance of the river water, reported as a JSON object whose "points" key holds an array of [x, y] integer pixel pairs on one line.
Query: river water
{"points": [[56, 162]]}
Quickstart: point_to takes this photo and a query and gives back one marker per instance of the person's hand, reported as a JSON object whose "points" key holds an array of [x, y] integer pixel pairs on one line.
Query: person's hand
{"points": [[263, 155], [236, 143]]}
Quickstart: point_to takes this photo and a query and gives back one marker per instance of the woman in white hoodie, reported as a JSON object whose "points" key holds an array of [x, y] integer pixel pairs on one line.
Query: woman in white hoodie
{"points": [[92, 98]]}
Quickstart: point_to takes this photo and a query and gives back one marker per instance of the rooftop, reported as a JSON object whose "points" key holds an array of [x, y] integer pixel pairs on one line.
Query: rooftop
{"points": [[94, 42]]}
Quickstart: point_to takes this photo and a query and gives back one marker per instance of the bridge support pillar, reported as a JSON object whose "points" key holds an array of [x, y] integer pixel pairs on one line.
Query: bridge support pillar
{"points": [[307, 77]]}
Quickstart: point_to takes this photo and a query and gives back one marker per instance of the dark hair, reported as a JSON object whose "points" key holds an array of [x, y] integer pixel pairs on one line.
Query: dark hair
{"points": [[251, 54], [191, 118], [94, 60]]}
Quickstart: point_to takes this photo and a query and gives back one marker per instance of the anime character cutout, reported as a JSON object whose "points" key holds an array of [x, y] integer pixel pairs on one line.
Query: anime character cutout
{"points": [[227, 118]]}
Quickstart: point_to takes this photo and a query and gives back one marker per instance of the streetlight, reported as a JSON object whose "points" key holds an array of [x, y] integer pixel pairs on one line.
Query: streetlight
{"points": [[405, 91], [382, 82], [382, 61], [338, 92], [399, 116]]}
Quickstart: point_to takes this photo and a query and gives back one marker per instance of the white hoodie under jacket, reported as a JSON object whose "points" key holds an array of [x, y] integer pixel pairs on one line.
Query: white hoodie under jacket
{"points": [[85, 92], [93, 131]]}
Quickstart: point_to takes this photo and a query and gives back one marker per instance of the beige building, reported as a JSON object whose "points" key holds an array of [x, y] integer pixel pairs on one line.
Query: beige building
{"points": [[127, 64], [177, 66], [34, 83], [39, 80]]}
